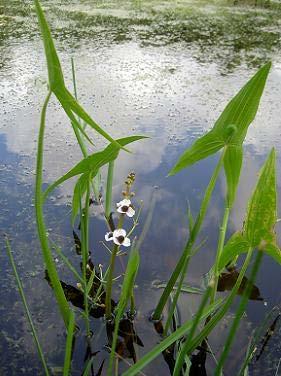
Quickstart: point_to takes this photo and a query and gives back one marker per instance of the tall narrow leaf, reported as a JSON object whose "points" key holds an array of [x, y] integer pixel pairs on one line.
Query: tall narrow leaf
{"points": [[56, 80], [258, 230], [126, 292], [94, 162]]}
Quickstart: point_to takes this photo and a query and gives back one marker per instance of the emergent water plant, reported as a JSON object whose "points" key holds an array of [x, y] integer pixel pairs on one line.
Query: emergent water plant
{"points": [[93, 293]]}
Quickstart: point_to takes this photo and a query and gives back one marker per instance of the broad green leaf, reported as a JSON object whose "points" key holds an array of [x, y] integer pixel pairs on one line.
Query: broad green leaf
{"points": [[258, 230], [232, 125], [202, 148], [242, 109], [53, 63], [274, 251], [261, 215], [94, 162], [56, 80], [236, 245], [232, 165]]}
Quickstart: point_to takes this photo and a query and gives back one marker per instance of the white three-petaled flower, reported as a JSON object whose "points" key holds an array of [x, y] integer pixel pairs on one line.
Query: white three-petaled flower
{"points": [[119, 237], [125, 207]]}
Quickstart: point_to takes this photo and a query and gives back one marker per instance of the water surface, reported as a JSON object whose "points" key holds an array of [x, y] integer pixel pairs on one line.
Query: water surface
{"points": [[163, 69]]}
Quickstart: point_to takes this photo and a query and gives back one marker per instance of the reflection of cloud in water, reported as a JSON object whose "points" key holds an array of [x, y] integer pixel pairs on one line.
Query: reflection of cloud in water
{"points": [[156, 91]]}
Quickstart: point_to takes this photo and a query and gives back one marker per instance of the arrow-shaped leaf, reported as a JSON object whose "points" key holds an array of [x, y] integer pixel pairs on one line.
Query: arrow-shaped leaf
{"points": [[56, 79], [258, 230], [94, 162]]}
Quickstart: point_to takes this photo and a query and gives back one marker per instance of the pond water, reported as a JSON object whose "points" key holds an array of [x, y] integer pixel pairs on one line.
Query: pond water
{"points": [[164, 69]]}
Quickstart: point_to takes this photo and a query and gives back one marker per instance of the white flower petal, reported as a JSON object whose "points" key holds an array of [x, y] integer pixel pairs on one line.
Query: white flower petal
{"points": [[119, 232], [126, 242], [116, 241], [108, 236], [120, 209], [130, 212], [124, 202]]}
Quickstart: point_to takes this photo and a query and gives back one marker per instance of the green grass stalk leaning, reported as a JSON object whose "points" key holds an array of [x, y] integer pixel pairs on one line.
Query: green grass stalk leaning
{"points": [[191, 240], [238, 316], [27, 312], [68, 346], [42, 233]]}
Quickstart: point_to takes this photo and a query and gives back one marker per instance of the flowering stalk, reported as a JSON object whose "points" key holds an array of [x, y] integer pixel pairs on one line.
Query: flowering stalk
{"points": [[109, 283], [119, 237]]}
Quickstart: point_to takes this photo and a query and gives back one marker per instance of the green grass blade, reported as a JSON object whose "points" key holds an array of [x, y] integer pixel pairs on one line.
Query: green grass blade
{"points": [[47, 254], [67, 263], [158, 349], [94, 162], [126, 293], [257, 337], [27, 312], [222, 311], [202, 148], [88, 367], [53, 63], [183, 353], [239, 313], [68, 347], [56, 80], [190, 242], [236, 245]]}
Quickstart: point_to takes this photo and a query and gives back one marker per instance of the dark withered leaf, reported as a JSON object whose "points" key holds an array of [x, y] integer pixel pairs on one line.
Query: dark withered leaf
{"points": [[227, 281]]}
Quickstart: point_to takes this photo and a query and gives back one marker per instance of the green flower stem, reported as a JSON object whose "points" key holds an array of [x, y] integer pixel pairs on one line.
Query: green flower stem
{"points": [[219, 252], [238, 315], [47, 254], [110, 273], [192, 238], [108, 198], [28, 314], [109, 282]]}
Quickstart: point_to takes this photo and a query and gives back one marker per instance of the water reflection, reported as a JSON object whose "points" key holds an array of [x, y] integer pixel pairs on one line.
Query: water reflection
{"points": [[146, 69]]}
